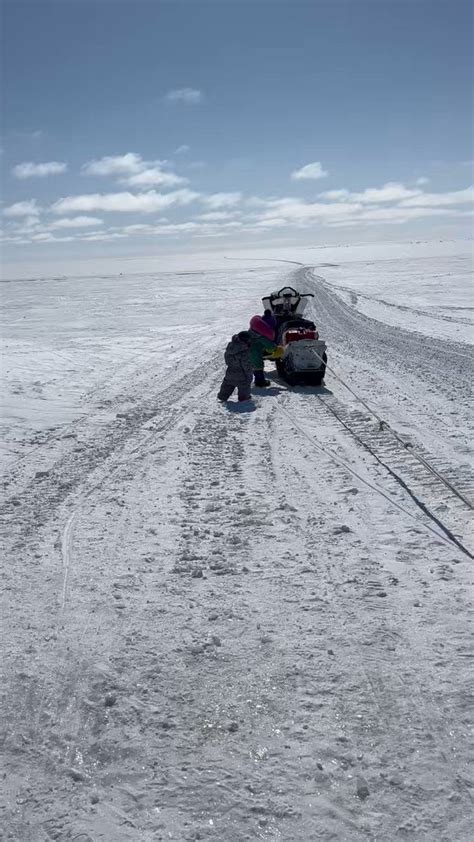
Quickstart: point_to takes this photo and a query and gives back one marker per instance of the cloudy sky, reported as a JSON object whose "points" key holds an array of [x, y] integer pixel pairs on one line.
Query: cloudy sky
{"points": [[134, 127]]}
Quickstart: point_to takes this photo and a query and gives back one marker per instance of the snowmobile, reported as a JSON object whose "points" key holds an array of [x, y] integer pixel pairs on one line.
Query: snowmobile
{"points": [[304, 355]]}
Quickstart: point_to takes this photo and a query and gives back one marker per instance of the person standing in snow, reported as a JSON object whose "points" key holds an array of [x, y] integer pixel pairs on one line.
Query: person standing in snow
{"points": [[239, 371], [262, 335]]}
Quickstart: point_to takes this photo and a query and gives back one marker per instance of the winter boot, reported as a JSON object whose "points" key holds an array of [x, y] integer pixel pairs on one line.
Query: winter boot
{"points": [[260, 380]]}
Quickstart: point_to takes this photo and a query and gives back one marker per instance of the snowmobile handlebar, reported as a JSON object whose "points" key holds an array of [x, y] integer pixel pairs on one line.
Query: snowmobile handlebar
{"points": [[290, 292]]}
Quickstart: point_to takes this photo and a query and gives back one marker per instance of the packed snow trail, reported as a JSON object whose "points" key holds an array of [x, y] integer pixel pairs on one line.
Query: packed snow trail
{"points": [[384, 426], [371, 354], [249, 643], [442, 532], [442, 366]]}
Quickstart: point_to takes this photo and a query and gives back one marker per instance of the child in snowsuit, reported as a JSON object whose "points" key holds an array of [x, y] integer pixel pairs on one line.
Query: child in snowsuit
{"points": [[239, 369]]}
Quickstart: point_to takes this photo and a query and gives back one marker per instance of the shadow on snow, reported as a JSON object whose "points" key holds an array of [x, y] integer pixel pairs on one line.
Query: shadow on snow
{"points": [[300, 389], [236, 407]]}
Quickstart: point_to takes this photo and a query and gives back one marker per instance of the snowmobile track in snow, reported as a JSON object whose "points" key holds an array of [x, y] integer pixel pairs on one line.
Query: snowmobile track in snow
{"points": [[440, 490], [402, 307], [445, 534], [447, 366], [426, 490], [36, 498], [216, 632], [383, 683]]}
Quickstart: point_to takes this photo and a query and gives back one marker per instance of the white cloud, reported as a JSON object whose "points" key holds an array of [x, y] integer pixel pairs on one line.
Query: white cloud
{"points": [[335, 195], [216, 216], [175, 228], [294, 210], [182, 150], [290, 211], [99, 236], [406, 196], [390, 192], [77, 222], [47, 237], [17, 240], [310, 171], [137, 228], [422, 180], [258, 202], [131, 169], [456, 197], [206, 235], [190, 96], [89, 236], [44, 236], [126, 202], [29, 170], [272, 222], [400, 214], [222, 213], [27, 208], [27, 224], [140, 227], [221, 200], [154, 175], [127, 164], [163, 227]]}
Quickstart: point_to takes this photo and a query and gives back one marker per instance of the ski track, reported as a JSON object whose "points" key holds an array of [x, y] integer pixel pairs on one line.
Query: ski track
{"points": [[231, 640]]}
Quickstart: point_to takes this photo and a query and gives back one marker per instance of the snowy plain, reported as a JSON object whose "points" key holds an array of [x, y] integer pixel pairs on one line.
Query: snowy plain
{"points": [[238, 623]]}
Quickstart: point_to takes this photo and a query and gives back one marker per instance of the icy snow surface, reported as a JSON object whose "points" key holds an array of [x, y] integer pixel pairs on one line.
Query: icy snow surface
{"points": [[242, 622]]}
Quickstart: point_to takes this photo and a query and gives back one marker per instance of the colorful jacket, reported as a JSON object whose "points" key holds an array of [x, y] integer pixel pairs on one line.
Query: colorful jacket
{"points": [[258, 347]]}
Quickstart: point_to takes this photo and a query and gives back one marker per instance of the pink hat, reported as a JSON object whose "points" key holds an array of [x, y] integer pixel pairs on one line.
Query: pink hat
{"points": [[260, 326]]}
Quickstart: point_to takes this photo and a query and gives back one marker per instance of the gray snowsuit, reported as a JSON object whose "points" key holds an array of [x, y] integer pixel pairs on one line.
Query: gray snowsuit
{"points": [[239, 370]]}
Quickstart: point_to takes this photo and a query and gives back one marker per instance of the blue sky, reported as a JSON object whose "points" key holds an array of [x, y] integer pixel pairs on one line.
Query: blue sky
{"points": [[137, 126]]}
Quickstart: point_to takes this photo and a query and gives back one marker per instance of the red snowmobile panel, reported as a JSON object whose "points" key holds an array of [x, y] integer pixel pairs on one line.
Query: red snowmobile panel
{"points": [[295, 334]]}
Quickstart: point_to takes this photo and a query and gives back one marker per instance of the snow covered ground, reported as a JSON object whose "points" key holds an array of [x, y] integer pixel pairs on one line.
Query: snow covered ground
{"points": [[427, 295], [228, 624]]}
